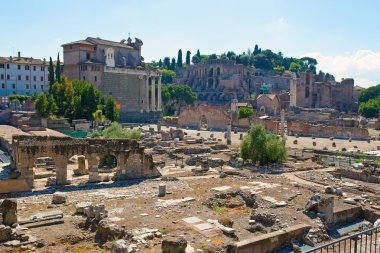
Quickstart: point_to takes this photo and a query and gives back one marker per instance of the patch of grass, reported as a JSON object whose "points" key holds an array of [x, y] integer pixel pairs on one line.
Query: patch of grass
{"points": [[219, 209]]}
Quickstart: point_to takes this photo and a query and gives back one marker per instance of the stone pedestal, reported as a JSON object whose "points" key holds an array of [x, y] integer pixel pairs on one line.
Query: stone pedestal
{"points": [[161, 190]]}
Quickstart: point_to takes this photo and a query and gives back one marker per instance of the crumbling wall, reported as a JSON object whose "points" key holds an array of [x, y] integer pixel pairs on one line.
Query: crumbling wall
{"points": [[305, 129], [269, 124], [216, 116]]}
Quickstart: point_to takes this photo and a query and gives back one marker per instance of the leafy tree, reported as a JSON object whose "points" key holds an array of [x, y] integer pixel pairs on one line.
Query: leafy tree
{"points": [[58, 69], [175, 96], [167, 63], [230, 55], [262, 147], [167, 76], [188, 54], [18, 98], [42, 105], [212, 57], [245, 60], [245, 112], [111, 112], [51, 74], [204, 58], [179, 59], [262, 62], [369, 93], [370, 109], [172, 65], [196, 59], [279, 68], [294, 67], [52, 106]]}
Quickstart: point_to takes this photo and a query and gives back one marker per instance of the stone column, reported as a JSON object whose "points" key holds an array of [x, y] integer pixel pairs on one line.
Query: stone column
{"points": [[159, 94], [147, 93], [282, 123], [153, 101]]}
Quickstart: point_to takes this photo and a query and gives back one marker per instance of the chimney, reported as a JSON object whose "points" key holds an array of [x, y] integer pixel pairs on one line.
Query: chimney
{"points": [[19, 54]]}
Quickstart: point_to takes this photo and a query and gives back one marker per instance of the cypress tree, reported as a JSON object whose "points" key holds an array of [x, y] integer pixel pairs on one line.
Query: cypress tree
{"points": [[179, 59], [199, 54], [172, 66], [188, 53], [58, 70], [51, 74], [160, 63]]}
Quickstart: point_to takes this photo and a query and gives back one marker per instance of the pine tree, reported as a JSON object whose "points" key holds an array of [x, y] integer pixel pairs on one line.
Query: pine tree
{"points": [[179, 59], [188, 53], [167, 62], [58, 69], [51, 74], [172, 66]]}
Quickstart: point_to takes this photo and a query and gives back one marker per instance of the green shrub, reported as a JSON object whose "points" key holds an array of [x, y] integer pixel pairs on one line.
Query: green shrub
{"points": [[262, 147], [116, 131]]}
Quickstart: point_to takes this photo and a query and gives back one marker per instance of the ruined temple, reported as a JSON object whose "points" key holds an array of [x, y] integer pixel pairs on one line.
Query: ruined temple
{"points": [[322, 91], [220, 81], [132, 160]]}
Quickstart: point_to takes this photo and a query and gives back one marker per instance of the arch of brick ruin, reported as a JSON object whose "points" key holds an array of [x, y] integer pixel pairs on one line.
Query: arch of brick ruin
{"points": [[133, 162]]}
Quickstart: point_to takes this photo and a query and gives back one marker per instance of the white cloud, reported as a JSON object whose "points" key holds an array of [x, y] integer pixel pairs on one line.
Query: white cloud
{"points": [[362, 65]]}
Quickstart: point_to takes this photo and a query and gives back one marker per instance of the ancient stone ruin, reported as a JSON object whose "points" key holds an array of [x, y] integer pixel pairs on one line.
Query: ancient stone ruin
{"points": [[132, 161]]}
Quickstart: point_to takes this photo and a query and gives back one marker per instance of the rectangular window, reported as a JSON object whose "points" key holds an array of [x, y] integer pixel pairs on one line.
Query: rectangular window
{"points": [[34, 68], [13, 86], [27, 78], [7, 66], [42, 78], [35, 87], [3, 85], [27, 67], [8, 77], [34, 78], [19, 77], [42, 68], [96, 79], [19, 66], [84, 78], [2, 76], [42, 87], [27, 86], [2, 66]]}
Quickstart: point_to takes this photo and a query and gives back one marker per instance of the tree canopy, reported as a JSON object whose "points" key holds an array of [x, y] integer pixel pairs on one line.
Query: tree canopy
{"points": [[262, 147], [78, 100], [258, 58], [245, 112], [369, 102]]}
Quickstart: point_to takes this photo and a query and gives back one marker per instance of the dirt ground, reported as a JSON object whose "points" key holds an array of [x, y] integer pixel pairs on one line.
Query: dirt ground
{"points": [[135, 204]]}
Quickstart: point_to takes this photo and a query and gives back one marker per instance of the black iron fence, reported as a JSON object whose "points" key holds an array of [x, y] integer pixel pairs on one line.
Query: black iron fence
{"points": [[363, 242]]}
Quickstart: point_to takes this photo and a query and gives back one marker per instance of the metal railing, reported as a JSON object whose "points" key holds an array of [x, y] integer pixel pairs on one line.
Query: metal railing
{"points": [[364, 242]]}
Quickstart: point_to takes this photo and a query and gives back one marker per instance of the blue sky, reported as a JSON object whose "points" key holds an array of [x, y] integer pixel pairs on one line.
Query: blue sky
{"points": [[343, 35]]}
